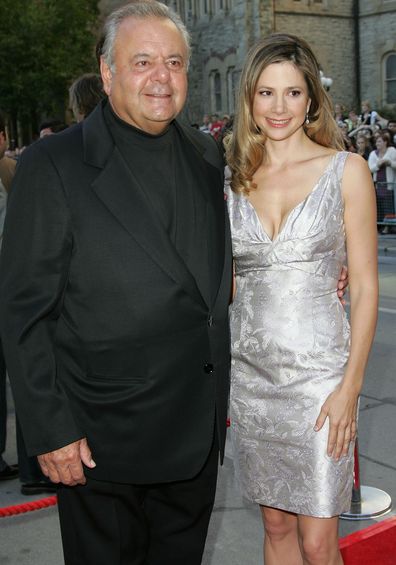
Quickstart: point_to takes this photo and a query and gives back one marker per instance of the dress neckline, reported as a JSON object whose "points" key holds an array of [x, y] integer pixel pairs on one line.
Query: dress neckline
{"points": [[286, 218]]}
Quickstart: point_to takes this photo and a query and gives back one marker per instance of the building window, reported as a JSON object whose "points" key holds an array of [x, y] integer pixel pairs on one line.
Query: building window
{"points": [[215, 91], [205, 6], [390, 78]]}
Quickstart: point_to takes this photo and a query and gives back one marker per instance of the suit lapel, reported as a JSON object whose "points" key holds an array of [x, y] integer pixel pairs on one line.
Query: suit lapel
{"points": [[126, 200], [206, 166]]}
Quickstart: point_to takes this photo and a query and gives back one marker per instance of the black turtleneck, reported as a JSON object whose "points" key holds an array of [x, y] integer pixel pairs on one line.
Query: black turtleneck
{"points": [[151, 159], [162, 165]]}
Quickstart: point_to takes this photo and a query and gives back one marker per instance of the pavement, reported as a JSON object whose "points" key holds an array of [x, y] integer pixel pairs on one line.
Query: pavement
{"points": [[235, 533]]}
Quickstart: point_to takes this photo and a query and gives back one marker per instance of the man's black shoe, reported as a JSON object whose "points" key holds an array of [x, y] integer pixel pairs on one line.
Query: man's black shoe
{"points": [[9, 472], [39, 487]]}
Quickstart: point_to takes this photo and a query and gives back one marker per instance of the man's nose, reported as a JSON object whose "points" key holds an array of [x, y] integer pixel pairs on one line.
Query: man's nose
{"points": [[160, 72]]}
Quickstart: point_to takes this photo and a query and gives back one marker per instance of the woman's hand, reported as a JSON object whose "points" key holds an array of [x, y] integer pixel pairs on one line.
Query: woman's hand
{"points": [[340, 408], [342, 285]]}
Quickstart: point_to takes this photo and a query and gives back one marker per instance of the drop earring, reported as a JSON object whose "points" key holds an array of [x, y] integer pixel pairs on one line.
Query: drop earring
{"points": [[307, 119]]}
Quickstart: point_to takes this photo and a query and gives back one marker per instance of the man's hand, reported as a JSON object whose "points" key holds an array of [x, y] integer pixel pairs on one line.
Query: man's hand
{"points": [[342, 284], [64, 465]]}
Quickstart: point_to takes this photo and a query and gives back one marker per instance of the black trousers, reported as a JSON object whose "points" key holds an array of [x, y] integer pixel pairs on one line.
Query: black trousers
{"points": [[106, 523]]}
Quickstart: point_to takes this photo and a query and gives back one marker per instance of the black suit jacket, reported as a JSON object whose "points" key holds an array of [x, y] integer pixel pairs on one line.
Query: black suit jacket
{"points": [[106, 332]]}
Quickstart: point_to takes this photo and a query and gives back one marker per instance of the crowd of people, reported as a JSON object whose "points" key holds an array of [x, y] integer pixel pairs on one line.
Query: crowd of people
{"points": [[137, 280]]}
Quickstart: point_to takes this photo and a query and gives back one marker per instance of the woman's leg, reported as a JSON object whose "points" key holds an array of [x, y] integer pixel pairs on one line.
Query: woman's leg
{"points": [[281, 537], [319, 540]]}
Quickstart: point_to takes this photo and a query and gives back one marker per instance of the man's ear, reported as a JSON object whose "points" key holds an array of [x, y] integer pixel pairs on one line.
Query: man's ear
{"points": [[107, 75]]}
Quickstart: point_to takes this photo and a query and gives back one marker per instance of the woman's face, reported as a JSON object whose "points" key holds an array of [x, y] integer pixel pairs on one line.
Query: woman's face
{"points": [[380, 144], [361, 144], [281, 101]]}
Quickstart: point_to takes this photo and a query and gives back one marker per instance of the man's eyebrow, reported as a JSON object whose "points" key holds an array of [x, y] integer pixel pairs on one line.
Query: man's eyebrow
{"points": [[150, 55], [142, 54]]}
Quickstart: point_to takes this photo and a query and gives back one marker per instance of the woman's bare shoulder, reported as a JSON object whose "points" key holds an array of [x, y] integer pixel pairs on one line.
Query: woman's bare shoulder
{"points": [[357, 176]]}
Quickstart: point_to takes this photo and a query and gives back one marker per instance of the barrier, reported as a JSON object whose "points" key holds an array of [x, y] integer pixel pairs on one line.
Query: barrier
{"points": [[386, 205], [367, 502], [28, 506]]}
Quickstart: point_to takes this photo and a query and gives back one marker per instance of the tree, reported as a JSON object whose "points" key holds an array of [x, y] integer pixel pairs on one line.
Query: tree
{"points": [[44, 45]]}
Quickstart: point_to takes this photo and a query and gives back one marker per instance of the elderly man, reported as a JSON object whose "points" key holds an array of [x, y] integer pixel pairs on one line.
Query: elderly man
{"points": [[115, 282]]}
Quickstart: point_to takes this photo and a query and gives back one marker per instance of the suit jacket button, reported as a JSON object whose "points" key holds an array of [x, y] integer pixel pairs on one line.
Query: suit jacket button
{"points": [[208, 368], [210, 321]]}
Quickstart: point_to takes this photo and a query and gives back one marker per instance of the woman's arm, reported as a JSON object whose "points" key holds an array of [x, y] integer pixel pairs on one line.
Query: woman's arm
{"points": [[361, 239], [390, 157], [373, 162]]}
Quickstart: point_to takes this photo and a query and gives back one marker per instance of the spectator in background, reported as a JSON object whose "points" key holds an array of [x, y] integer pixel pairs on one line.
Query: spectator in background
{"points": [[363, 147], [352, 121], [7, 167], [205, 128], [348, 142], [31, 477], [391, 127], [382, 164], [7, 164], [51, 126], [339, 113], [84, 94], [216, 126], [369, 116]]}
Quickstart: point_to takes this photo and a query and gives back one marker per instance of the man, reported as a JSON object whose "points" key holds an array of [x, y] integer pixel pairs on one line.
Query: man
{"points": [[30, 475], [391, 127], [7, 165], [115, 282], [84, 94]]}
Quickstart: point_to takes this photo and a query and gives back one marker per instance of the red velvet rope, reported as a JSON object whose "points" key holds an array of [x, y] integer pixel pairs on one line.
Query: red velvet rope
{"points": [[28, 506]]}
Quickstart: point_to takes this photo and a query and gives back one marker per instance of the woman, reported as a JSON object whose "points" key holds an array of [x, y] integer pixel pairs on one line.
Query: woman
{"points": [[382, 163], [368, 115], [294, 202], [363, 146]]}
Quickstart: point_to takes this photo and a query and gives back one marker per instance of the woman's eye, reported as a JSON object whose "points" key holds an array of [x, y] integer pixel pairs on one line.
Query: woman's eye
{"points": [[264, 92], [295, 93]]}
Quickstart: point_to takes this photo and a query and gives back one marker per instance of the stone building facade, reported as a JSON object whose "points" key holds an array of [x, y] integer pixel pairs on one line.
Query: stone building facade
{"points": [[354, 40]]}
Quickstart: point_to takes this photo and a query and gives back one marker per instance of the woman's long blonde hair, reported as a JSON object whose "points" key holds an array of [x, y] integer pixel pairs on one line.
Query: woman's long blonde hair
{"points": [[245, 146]]}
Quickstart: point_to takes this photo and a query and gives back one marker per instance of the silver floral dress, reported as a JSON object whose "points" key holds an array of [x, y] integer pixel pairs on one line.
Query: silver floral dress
{"points": [[290, 343]]}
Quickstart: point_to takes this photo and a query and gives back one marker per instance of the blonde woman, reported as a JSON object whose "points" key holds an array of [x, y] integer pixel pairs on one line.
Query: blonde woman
{"points": [[296, 203]]}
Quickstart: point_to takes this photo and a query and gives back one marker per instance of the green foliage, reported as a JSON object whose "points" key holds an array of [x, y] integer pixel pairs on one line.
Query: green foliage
{"points": [[44, 45]]}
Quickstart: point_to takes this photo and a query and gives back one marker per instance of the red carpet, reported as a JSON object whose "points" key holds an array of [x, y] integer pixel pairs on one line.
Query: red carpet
{"points": [[375, 545]]}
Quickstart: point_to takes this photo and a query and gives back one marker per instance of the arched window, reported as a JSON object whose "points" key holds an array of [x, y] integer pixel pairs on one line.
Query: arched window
{"points": [[390, 78]]}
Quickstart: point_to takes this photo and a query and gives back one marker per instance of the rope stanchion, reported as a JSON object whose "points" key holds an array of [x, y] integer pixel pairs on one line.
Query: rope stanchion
{"points": [[28, 506], [367, 502]]}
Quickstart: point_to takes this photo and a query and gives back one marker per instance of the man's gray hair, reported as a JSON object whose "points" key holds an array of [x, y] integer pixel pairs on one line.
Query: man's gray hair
{"points": [[141, 9]]}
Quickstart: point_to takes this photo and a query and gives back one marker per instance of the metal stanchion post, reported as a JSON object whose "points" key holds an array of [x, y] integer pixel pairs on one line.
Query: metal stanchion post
{"points": [[367, 502]]}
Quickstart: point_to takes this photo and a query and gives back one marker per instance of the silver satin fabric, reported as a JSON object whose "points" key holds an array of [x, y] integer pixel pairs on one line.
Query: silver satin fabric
{"points": [[290, 342]]}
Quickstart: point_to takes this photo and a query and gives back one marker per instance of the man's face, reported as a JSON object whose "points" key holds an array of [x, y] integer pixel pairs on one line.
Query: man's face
{"points": [[392, 126], [3, 144], [149, 85]]}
